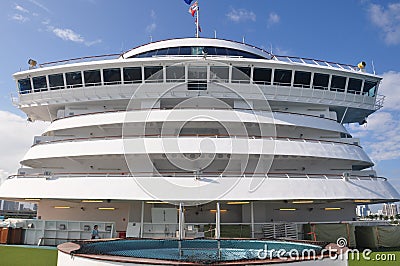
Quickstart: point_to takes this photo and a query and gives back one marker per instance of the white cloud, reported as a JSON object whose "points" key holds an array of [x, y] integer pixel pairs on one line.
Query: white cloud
{"points": [[20, 8], [390, 87], [87, 43], [273, 18], [16, 138], [388, 20], [19, 17], [40, 5], [68, 35], [240, 15], [150, 28], [153, 14]]}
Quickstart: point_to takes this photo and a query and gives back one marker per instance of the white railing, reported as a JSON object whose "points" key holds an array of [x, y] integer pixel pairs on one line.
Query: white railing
{"points": [[200, 176], [40, 140]]}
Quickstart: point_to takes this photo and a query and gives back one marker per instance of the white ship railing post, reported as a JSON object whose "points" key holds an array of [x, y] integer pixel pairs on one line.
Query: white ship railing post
{"points": [[142, 220], [218, 222], [252, 218]]}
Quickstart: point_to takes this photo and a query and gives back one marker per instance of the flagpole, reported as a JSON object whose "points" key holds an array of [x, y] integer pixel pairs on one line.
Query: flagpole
{"points": [[197, 20]]}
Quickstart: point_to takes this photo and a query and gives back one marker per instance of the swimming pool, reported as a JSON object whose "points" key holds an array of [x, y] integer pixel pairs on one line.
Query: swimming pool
{"points": [[198, 250]]}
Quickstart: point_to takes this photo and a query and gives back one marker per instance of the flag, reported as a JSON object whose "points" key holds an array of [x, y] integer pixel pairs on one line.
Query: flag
{"points": [[188, 1], [193, 8]]}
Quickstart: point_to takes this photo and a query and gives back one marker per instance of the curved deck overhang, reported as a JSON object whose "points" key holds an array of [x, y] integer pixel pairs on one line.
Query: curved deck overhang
{"points": [[199, 189], [197, 115], [168, 145]]}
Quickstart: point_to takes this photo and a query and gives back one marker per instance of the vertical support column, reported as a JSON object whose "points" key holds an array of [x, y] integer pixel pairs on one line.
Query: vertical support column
{"points": [[142, 220], [181, 222], [218, 222], [252, 218]]}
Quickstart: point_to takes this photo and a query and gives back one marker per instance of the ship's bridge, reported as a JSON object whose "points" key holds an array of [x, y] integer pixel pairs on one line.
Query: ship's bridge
{"points": [[197, 46]]}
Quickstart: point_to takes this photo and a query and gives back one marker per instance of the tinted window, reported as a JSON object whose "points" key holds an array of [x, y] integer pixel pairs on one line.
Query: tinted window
{"points": [[282, 77], [132, 75], [74, 79], [39, 83], [197, 85], [354, 86], [302, 79], [370, 88], [92, 78], [338, 83], [56, 81], [320, 81], [241, 74], [219, 73], [153, 74], [173, 51], [197, 73], [112, 76], [175, 73], [185, 51], [24, 86], [162, 52], [262, 75]]}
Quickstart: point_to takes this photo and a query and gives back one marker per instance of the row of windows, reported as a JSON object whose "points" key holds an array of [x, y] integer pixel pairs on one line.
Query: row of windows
{"points": [[198, 74], [197, 50]]}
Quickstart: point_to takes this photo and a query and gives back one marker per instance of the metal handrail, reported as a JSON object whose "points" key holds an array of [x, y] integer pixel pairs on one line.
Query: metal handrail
{"points": [[197, 176], [195, 135], [190, 108]]}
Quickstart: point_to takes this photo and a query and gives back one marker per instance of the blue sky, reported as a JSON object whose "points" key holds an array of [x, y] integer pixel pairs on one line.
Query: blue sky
{"points": [[343, 30]]}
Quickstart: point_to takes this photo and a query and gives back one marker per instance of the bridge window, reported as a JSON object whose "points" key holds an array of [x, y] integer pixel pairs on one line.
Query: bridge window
{"points": [[241, 74], [112, 76], [39, 84], [338, 83], [175, 73], [219, 73], [92, 78], [282, 77], [153, 74], [370, 88], [56, 81], [302, 79], [262, 76], [24, 86], [74, 79], [354, 86], [197, 78], [320, 81], [197, 50], [132, 75]]}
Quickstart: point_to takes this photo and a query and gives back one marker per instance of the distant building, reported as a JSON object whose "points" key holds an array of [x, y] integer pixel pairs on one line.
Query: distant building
{"points": [[362, 210], [389, 209]]}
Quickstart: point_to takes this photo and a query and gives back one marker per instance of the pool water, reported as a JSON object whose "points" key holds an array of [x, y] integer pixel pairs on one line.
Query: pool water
{"points": [[198, 250]]}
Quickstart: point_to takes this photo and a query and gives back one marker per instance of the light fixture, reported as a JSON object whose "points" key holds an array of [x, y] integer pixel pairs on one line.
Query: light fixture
{"points": [[332, 209], [156, 202], [62, 207], [302, 201], [32, 199], [237, 202], [106, 208], [287, 209], [362, 200], [92, 201], [223, 210]]}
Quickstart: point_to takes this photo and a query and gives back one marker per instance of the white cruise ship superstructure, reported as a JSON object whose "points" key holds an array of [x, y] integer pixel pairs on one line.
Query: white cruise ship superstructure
{"points": [[197, 121]]}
